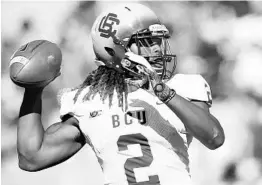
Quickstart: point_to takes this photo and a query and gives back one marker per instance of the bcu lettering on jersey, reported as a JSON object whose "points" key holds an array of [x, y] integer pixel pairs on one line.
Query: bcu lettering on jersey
{"points": [[106, 26], [140, 115]]}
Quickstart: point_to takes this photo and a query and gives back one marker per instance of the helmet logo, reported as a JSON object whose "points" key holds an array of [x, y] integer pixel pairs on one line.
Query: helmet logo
{"points": [[106, 26]]}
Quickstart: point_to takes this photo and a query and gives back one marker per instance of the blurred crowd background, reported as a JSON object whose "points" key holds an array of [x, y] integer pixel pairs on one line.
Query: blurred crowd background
{"points": [[220, 40]]}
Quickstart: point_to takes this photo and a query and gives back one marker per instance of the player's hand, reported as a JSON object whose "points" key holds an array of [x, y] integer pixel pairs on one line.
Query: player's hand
{"points": [[138, 63], [140, 68]]}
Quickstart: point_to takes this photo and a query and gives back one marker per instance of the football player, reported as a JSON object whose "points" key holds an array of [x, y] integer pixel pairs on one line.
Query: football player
{"points": [[138, 117]]}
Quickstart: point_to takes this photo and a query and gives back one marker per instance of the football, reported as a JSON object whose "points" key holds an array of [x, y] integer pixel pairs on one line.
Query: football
{"points": [[35, 64]]}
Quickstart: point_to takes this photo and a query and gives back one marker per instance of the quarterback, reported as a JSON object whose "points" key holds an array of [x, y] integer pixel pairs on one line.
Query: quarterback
{"points": [[138, 116]]}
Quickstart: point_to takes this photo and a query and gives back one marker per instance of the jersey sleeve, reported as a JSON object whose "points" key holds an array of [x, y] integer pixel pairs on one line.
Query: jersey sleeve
{"points": [[65, 99], [192, 87]]}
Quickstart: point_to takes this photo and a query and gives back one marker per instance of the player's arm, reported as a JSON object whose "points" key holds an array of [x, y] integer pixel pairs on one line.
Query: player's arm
{"points": [[194, 114], [38, 148], [198, 120]]}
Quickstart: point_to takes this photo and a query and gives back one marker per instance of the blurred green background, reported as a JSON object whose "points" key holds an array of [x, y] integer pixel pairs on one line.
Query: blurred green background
{"points": [[220, 40]]}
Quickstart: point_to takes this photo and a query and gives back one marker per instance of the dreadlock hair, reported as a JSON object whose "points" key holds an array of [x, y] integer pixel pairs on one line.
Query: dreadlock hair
{"points": [[104, 81]]}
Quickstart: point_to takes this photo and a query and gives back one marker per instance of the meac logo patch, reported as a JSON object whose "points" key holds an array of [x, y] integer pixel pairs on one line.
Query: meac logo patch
{"points": [[95, 113]]}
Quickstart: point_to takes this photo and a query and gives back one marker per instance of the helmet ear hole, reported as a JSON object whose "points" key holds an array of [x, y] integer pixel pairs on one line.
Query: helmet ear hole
{"points": [[110, 51]]}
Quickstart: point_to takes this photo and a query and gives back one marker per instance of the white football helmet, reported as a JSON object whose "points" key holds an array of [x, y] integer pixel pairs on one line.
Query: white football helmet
{"points": [[118, 29]]}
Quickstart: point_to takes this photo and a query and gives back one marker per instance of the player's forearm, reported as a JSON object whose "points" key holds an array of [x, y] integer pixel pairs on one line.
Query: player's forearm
{"points": [[30, 131], [200, 123], [38, 148]]}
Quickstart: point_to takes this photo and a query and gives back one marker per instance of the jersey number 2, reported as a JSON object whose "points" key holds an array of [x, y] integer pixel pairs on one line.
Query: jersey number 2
{"points": [[136, 162]]}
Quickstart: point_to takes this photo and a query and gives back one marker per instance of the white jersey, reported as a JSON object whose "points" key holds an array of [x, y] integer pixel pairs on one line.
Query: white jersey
{"points": [[147, 144]]}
